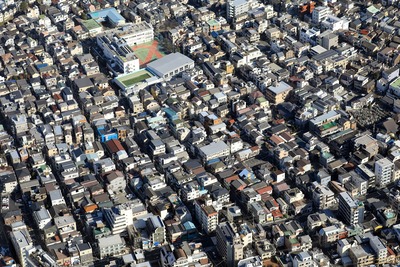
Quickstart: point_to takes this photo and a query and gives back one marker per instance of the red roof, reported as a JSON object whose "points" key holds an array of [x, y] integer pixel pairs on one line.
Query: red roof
{"points": [[277, 213]]}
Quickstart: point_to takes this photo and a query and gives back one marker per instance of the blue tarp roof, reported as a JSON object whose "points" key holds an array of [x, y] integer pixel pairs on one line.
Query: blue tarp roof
{"points": [[110, 13]]}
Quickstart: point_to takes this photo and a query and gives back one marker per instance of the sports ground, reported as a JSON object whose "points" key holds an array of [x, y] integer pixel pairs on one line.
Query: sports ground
{"points": [[148, 52]]}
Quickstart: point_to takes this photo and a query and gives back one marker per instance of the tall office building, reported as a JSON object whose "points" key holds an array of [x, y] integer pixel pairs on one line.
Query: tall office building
{"points": [[229, 244], [235, 8], [383, 172], [351, 210]]}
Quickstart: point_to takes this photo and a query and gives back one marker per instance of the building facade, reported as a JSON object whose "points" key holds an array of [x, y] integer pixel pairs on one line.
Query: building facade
{"points": [[22, 244], [229, 245], [383, 172], [234, 8], [352, 211]]}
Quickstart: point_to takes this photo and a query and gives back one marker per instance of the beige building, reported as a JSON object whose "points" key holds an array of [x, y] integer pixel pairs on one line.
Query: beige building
{"points": [[360, 257], [206, 214], [273, 33], [278, 93]]}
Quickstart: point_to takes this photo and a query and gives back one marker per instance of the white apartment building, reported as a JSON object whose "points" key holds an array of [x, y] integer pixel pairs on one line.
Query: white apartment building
{"points": [[383, 172], [117, 219], [42, 218], [254, 261], [379, 248], [306, 35], [214, 150], [121, 216], [104, 165], [20, 123], [190, 191], [320, 13], [23, 245], [235, 8], [334, 23], [112, 245], [56, 197], [303, 259]]}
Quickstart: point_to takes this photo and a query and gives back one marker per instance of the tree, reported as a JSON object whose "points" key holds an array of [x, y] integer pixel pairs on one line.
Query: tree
{"points": [[84, 16], [24, 6]]}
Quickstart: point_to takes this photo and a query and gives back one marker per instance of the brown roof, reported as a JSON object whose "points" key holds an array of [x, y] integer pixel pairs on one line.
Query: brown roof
{"points": [[276, 139], [180, 253], [114, 146], [204, 261], [287, 136]]}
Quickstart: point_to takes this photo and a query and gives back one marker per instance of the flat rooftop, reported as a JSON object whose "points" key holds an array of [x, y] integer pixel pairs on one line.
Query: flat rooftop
{"points": [[134, 78], [214, 147], [280, 88], [169, 63], [213, 22], [396, 83], [91, 24], [111, 13], [238, 2]]}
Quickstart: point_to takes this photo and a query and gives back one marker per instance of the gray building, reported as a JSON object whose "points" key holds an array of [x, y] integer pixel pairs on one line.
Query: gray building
{"points": [[170, 65], [156, 229], [351, 210], [229, 244], [112, 245]]}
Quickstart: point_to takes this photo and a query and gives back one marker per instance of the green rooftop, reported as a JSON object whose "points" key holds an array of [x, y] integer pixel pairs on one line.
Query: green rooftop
{"points": [[213, 23], [326, 155], [328, 125], [372, 9], [101, 231], [177, 121], [396, 83], [389, 214], [134, 78], [91, 24], [287, 233]]}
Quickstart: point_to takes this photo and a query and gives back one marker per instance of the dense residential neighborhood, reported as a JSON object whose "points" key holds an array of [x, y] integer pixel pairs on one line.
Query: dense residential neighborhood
{"points": [[190, 133]]}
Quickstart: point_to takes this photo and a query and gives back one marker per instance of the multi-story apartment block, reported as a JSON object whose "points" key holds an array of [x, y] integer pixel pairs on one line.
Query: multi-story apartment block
{"points": [[229, 245], [234, 8], [277, 93], [112, 245], [118, 218], [23, 245], [383, 172], [319, 14], [206, 214], [156, 229], [323, 197], [351, 211]]}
